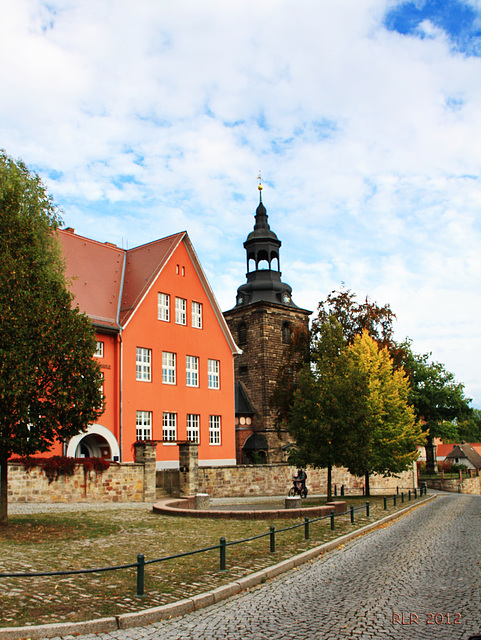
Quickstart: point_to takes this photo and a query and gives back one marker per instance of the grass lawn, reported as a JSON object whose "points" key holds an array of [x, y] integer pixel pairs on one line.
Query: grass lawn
{"points": [[99, 538]]}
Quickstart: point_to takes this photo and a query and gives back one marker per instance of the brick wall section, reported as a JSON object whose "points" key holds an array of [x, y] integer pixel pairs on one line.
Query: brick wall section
{"points": [[272, 480], [119, 483]]}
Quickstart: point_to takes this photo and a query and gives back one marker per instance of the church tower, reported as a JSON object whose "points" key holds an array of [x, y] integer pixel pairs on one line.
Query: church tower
{"points": [[261, 322]]}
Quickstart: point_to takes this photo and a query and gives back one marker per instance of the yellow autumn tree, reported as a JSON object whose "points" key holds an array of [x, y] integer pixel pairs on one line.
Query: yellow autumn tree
{"points": [[386, 435]]}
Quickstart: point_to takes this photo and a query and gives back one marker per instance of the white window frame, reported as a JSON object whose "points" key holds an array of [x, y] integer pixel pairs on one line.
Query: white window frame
{"points": [[169, 365], [192, 371], [163, 307], [169, 427], [99, 352], [214, 430], [193, 428], [181, 311], [143, 364], [213, 374], [196, 314], [143, 424]]}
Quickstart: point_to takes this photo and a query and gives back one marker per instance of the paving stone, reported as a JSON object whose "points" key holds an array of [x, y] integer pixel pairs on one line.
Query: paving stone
{"points": [[418, 577]]}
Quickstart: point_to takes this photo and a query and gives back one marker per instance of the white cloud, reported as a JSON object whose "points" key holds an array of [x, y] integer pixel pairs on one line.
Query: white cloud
{"points": [[147, 118]]}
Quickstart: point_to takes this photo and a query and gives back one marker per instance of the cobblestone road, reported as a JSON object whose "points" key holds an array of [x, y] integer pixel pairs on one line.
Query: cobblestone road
{"points": [[416, 578]]}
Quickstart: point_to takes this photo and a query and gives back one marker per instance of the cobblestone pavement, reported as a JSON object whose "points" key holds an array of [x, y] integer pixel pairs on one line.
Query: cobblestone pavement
{"points": [[416, 578]]}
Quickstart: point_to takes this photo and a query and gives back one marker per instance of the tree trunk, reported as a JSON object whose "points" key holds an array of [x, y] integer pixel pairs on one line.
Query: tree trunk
{"points": [[329, 482], [3, 491], [366, 482]]}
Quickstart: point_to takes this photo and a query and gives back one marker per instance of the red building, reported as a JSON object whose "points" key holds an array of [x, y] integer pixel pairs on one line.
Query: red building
{"points": [[164, 348]]}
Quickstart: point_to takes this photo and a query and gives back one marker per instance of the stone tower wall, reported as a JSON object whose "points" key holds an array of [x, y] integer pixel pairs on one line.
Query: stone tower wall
{"points": [[258, 366]]}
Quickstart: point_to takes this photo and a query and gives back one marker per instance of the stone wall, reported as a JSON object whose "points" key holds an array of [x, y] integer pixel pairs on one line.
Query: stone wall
{"points": [[467, 485], [270, 480], [119, 483]]}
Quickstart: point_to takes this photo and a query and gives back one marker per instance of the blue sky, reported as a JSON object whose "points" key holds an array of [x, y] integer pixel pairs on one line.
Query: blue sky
{"points": [[146, 118]]}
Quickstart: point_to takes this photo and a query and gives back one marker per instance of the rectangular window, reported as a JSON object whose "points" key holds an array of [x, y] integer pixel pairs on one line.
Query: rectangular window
{"points": [[213, 374], [193, 427], [169, 427], [144, 425], [99, 352], [180, 311], [192, 371], [197, 315], [142, 364], [214, 429], [168, 367], [163, 307]]}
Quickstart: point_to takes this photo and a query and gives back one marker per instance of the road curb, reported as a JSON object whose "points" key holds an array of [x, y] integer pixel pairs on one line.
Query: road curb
{"points": [[200, 601]]}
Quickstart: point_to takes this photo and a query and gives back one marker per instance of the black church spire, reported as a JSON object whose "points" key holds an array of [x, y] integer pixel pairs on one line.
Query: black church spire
{"points": [[263, 264]]}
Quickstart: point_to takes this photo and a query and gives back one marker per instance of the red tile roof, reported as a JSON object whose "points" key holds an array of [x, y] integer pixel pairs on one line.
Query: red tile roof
{"points": [[95, 271], [109, 283], [142, 267]]}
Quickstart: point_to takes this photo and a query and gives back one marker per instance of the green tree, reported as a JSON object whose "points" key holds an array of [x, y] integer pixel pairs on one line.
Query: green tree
{"points": [[49, 382], [323, 405], [469, 428], [385, 436], [355, 317], [351, 408], [438, 400]]}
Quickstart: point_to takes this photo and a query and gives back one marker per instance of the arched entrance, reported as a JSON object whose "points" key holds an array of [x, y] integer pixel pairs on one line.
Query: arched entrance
{"points": [[96, 442], [254, 450]]}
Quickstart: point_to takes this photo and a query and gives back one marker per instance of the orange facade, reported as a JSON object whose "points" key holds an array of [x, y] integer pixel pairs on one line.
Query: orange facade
{"points": [[164, 349]]}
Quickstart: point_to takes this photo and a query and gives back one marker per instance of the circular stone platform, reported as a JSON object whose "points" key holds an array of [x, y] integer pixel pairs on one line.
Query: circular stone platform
{"points": [[251, 510]]}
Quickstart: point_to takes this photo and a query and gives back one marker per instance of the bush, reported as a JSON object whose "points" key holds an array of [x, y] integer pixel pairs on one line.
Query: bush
{"points": [[58, 466]]}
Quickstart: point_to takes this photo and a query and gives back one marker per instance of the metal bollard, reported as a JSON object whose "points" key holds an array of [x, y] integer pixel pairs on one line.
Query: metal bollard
{"points": [[409, 495], [306, 528], [222, 547], [394, 500], [140, 574], [273, 538], [415, 493], [385, 503], [367, 508], [352, 514], [402, 497], [332, 519]]}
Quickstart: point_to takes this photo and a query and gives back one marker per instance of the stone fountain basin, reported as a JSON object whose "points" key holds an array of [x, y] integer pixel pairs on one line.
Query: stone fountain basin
{"points": [[249, 510]]}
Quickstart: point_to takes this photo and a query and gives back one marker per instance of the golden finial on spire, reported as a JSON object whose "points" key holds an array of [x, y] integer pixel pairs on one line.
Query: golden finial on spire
{"points": [[260, 181]]}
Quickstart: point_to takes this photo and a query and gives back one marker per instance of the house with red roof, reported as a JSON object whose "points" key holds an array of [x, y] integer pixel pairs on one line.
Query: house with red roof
{"points": [[163, 346]]}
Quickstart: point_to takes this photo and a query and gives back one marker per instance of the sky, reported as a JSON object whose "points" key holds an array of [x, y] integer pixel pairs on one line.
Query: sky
{"points": [[149, 117]]}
